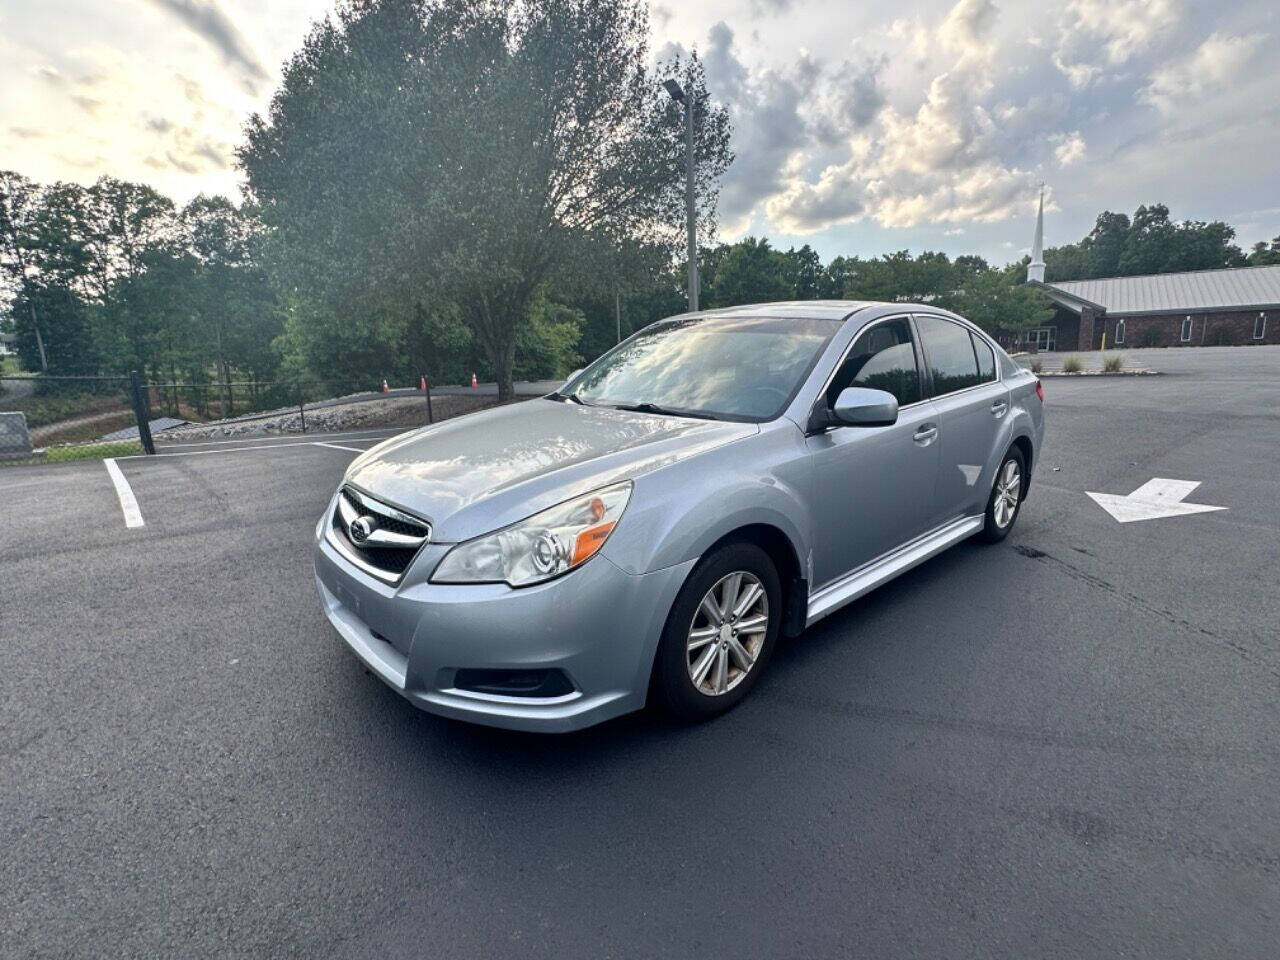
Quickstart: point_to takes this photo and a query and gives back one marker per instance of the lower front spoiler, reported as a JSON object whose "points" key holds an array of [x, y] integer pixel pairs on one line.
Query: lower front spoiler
{"points": [[427, 684]]}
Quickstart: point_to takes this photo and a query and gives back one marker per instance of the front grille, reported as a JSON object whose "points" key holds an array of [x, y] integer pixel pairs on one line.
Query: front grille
{"points": [[392, 540]]}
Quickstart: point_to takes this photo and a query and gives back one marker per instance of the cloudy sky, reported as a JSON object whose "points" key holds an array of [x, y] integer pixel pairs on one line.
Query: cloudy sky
{"points": [[859, 128]]}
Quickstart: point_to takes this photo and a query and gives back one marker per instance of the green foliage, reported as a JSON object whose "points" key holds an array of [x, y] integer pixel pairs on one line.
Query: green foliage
{"points": [[1071, 364], [1149, 242], [999, 300], [749, 271], [112, 277], [482, 151], [546, 347], [1265, 254], [1113, 363], [66, 453]]}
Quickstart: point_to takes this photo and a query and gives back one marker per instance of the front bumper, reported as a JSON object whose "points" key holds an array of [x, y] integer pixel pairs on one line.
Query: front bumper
{"points": [[598, 625]]}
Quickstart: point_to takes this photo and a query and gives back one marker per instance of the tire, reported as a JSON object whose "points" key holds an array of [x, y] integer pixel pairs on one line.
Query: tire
{"points": [[678, 661], [1005, 501]]}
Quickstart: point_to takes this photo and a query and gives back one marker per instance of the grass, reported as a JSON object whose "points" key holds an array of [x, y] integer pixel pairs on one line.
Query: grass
{"points": [[1037, 365], [79, 451], [9, 366], [1113, 363], [1071, 365]]}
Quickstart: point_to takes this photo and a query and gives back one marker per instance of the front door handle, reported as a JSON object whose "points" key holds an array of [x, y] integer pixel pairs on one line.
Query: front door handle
{"points": [[998, 408], [925, 434]]}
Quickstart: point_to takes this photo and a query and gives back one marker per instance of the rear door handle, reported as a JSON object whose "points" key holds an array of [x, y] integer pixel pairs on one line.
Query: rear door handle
{"points": [[998, 408], [925, 434]]}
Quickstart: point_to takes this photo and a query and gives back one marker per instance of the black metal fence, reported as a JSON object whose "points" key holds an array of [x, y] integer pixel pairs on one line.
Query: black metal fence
{"points": [[51, 418]]}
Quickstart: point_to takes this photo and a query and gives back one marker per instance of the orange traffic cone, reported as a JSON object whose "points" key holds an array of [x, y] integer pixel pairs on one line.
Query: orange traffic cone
{"points": [[385, 388], [474, 384], [422, 383]]}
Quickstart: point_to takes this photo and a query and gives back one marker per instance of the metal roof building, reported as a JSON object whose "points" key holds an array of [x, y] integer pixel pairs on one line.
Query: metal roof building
{"points": [[1234, 305], [1198, 291]]}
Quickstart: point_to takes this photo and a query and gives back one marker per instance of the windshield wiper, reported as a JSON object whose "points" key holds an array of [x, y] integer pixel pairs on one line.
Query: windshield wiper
{"points": [[571, 396], [647, 407]]}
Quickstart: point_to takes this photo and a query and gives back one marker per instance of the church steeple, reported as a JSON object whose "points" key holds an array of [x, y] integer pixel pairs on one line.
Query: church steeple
{"points": [[1035, 269]]}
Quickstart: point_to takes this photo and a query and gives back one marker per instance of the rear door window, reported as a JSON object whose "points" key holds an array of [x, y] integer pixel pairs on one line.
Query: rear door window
{"points": [[948, 351], [986, 358]]}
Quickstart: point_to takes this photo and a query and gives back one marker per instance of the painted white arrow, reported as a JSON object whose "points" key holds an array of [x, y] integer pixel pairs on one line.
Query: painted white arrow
{"points": [[1156, 498]]}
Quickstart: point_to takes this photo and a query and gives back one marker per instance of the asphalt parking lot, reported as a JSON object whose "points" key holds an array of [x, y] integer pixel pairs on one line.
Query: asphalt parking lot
{"points": [[1064, 745]]}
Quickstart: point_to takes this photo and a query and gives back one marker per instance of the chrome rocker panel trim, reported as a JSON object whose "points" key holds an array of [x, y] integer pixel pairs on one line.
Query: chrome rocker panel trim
{"points": [[871, 575]]}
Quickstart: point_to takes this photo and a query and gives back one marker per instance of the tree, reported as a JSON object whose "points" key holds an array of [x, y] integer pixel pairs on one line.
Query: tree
{"points": [[750, 271], [999, 300], [1149, 242], [19, 200], [1264, 255], [420, 150], [803, 272]]}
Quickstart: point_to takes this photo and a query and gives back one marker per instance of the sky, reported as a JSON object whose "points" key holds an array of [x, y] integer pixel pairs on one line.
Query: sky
{"points": [[859, 128]]}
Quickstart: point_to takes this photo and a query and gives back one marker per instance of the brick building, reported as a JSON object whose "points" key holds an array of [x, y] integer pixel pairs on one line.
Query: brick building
{"points": [[1238, 305]]}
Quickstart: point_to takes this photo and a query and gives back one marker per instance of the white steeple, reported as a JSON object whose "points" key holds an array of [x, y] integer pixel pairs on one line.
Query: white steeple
{"points": [[1035, 269]]}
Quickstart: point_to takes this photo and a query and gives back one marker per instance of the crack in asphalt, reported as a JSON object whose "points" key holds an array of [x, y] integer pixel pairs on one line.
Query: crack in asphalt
{"points": [[1242, 650]]}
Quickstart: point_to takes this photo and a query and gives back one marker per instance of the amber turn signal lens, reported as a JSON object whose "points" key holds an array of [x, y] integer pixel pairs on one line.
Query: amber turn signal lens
{"points": [[589, 541]]}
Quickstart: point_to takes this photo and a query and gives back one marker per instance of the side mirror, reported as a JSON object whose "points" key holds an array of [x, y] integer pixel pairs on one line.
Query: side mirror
{"points": [[862, 407]]}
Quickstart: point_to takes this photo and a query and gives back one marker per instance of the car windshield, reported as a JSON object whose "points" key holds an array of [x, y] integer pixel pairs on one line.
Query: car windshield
{"points": [[729, 368]]}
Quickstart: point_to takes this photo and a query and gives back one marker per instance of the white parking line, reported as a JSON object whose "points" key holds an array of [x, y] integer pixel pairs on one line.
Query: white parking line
{"points": [[337, 446], [206, 453], [128, 503]]}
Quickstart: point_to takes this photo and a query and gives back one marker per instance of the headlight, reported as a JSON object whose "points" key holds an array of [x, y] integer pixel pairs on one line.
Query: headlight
{"points": [[544, 546]]}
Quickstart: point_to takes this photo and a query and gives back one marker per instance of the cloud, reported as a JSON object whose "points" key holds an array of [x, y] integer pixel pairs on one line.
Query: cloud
{"points": [[1208, 69], [938, 163], [207, 20], [1095, 34], [86, 103], [764, 8], [26, 133], [1068, 148], [768, 126]]}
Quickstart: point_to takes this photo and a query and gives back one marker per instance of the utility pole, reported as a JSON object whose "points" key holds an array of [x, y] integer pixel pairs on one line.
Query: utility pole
{"points": [[691, 220]]}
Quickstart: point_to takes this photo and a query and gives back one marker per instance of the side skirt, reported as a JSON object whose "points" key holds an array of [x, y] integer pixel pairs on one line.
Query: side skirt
{"points": [[871, 575]]}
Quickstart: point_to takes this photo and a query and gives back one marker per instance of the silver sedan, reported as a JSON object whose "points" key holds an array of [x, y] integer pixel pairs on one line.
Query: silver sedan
{"points": [[650, 530]]}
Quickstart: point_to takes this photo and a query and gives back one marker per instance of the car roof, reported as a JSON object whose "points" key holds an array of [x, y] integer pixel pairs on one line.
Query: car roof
{"points": [[806, 309]]}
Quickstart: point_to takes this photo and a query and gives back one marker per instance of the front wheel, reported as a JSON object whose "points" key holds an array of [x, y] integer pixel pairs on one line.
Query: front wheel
{"points": [[1006, 497], [720, 633]]}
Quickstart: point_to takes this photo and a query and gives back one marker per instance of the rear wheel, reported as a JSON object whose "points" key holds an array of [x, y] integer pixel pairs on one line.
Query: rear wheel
{"points": [[1006, 497], [719, 634]]}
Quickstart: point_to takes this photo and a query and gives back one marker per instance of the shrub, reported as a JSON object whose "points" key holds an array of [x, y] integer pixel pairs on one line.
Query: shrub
{"points": [[1072, 365], [1113, 363], [1036, 365]]}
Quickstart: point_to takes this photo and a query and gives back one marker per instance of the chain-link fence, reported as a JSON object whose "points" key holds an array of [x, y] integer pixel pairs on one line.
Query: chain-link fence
{"points": [[51, 418]]}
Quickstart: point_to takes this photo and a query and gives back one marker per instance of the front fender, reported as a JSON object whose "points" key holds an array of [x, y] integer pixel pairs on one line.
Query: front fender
{"points": [[678, 512]]}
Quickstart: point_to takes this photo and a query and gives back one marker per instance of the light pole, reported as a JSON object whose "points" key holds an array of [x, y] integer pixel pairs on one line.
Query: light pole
{"points": [[691, 222]]}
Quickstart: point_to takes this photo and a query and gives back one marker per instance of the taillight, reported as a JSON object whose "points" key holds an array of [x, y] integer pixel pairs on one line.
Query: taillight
{"points": [[1040, 391]]}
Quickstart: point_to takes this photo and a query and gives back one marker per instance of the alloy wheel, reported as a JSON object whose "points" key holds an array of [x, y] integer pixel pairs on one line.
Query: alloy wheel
{"points": [[727, 633], [1008, 487]]}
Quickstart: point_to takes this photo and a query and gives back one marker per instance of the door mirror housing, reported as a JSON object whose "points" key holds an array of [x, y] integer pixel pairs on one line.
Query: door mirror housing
{"points": [[863, 407]]}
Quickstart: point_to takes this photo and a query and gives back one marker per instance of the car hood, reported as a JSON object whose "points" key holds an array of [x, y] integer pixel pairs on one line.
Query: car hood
{"points": [[473, 474]]}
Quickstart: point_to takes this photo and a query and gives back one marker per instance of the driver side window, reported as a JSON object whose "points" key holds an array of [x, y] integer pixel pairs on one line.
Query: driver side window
{"points": [[882, 358]]}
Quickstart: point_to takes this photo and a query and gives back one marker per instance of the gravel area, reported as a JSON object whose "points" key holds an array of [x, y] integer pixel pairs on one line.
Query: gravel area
{"points": [[393, 412]]}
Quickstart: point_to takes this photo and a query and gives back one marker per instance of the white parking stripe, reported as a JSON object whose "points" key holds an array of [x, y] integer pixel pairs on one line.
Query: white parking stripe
{"points": [[128, 503], [337, 446]]}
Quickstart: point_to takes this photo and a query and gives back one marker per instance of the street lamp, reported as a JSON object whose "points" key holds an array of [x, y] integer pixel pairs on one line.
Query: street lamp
{"points": [[678, 95]]}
